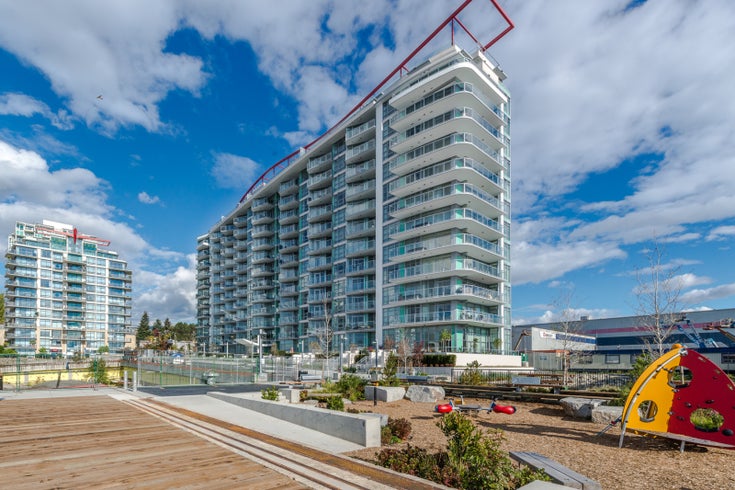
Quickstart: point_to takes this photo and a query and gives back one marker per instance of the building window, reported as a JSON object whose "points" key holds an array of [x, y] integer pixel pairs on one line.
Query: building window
{"points": [[612, 358], [584, 359]]}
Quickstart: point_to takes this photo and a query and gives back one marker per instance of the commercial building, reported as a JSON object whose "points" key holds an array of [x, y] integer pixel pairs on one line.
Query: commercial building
{"points": [[65, 292], [393, 225], [614, 343]]}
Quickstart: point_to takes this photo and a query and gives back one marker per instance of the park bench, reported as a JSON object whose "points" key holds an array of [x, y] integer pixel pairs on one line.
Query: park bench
{"points": [[556, 471], [520, 382]]}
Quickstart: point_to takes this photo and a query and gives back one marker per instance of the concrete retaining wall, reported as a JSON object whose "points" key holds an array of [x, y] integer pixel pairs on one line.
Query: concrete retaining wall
{"points": [[360, 428]]}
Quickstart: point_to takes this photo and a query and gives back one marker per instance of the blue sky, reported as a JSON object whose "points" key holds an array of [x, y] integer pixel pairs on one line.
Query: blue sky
{"points": [[143, 122]]}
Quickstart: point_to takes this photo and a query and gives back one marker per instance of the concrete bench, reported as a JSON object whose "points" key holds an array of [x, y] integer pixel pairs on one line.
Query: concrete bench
{"points": [[310, 377], [556, 471]]}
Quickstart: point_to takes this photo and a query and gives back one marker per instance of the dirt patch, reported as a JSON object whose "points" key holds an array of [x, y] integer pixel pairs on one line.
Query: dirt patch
{"points": [[642, 462]]}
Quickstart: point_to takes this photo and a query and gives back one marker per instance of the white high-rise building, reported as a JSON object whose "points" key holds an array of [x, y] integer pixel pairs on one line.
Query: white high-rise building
{"points": [[393, 226], [65, 292]]}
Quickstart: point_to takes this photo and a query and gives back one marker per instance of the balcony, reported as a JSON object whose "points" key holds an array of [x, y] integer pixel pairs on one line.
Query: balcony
{"points": [[320, 163], [321, 196], [289, 202], [288, 187], [319, 181], [261, 203], [360, 228], [362, 151], [362, 190], [358, 134], [360, 209]]}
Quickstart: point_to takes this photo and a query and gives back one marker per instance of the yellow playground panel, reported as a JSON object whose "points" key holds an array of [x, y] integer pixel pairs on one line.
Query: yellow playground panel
{"points": [[682, 395]]}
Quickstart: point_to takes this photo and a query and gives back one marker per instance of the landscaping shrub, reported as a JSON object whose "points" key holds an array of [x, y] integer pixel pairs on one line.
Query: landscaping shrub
{"points": [[351, 387], [336, 403], [386, 436], [419, 462], [395, 431], [389, 372], [401, 428], [303, 395], [439, 360], [270, 393], [472, 460], [472, 375]]}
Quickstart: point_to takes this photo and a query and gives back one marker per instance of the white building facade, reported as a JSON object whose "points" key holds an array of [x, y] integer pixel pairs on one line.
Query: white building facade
{"points": [[393, 225], [65, 292]]}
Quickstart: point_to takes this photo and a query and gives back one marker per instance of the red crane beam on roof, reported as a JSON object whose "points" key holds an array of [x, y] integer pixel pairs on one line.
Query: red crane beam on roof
{"points": [[284, 162]]}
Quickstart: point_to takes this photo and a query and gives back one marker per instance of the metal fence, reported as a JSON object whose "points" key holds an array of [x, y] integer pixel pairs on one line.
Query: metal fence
{"points": [[576, 379], [166, 370], [19, 372]]}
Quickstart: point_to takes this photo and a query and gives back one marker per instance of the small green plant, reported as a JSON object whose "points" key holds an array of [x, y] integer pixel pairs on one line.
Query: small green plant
{"points": [[351, 387], [98, 372], [389, 372], [477, 458], [419, 462], [303, 395], [395, 431], [439, 360], [270, 393], [401, 428], [472, 375], [336, 403]]}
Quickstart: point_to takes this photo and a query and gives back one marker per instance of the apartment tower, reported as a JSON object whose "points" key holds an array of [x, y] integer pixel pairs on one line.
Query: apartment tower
{"points": [[394, 226], [65, 292]]}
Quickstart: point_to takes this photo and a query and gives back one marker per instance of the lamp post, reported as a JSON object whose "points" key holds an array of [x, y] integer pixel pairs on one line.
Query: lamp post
{"points": [[260, 352], [375, 384]]}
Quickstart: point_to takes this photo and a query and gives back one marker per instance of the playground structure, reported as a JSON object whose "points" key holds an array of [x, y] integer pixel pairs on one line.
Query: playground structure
{"points": [[683, 396], [450, 407]]}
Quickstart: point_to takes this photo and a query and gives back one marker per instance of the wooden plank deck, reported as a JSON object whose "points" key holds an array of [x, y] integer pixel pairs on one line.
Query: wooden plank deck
{"points": [[98, 442]]}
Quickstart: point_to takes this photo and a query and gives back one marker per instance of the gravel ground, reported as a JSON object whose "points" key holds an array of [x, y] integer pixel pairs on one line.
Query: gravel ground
{"points": [[642, 462]]}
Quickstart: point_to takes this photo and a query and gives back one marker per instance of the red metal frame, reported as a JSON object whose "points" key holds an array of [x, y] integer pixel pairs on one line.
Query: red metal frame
{"points": [[286, 161], [73, 234]]}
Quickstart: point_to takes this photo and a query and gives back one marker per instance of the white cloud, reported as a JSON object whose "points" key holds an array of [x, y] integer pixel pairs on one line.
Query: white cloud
{"points": [[112, 49], [146, 198], [171, 295], [721, 233], [698, 296], [233, 171], [572, 314], [31, 192], [15, 104]]}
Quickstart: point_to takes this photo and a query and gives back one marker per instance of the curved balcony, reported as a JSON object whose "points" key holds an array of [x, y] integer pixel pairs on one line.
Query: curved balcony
{"points": [[361, 171]]}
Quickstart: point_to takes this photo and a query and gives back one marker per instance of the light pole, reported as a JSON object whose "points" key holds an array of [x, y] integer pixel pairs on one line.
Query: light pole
{"points": [[375, 384], [260, 352]]}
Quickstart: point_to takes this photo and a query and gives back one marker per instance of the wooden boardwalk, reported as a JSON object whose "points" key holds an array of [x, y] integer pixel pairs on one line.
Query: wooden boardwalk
{"points": [[98, 442]]}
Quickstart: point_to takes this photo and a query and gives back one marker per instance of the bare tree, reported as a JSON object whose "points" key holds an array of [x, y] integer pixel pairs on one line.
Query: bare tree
{"points": [[569, 326], [405, 350], [657, 293], [324, 335]]}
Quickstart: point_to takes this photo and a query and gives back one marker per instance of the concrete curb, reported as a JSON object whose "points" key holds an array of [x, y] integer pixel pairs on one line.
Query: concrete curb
{"points": [[359, 428]]}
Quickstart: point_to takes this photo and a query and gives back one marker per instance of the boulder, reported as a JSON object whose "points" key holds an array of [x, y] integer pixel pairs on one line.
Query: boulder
{"points": [[385, 393], [580, 408], [605, 414], [425, 394]]}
